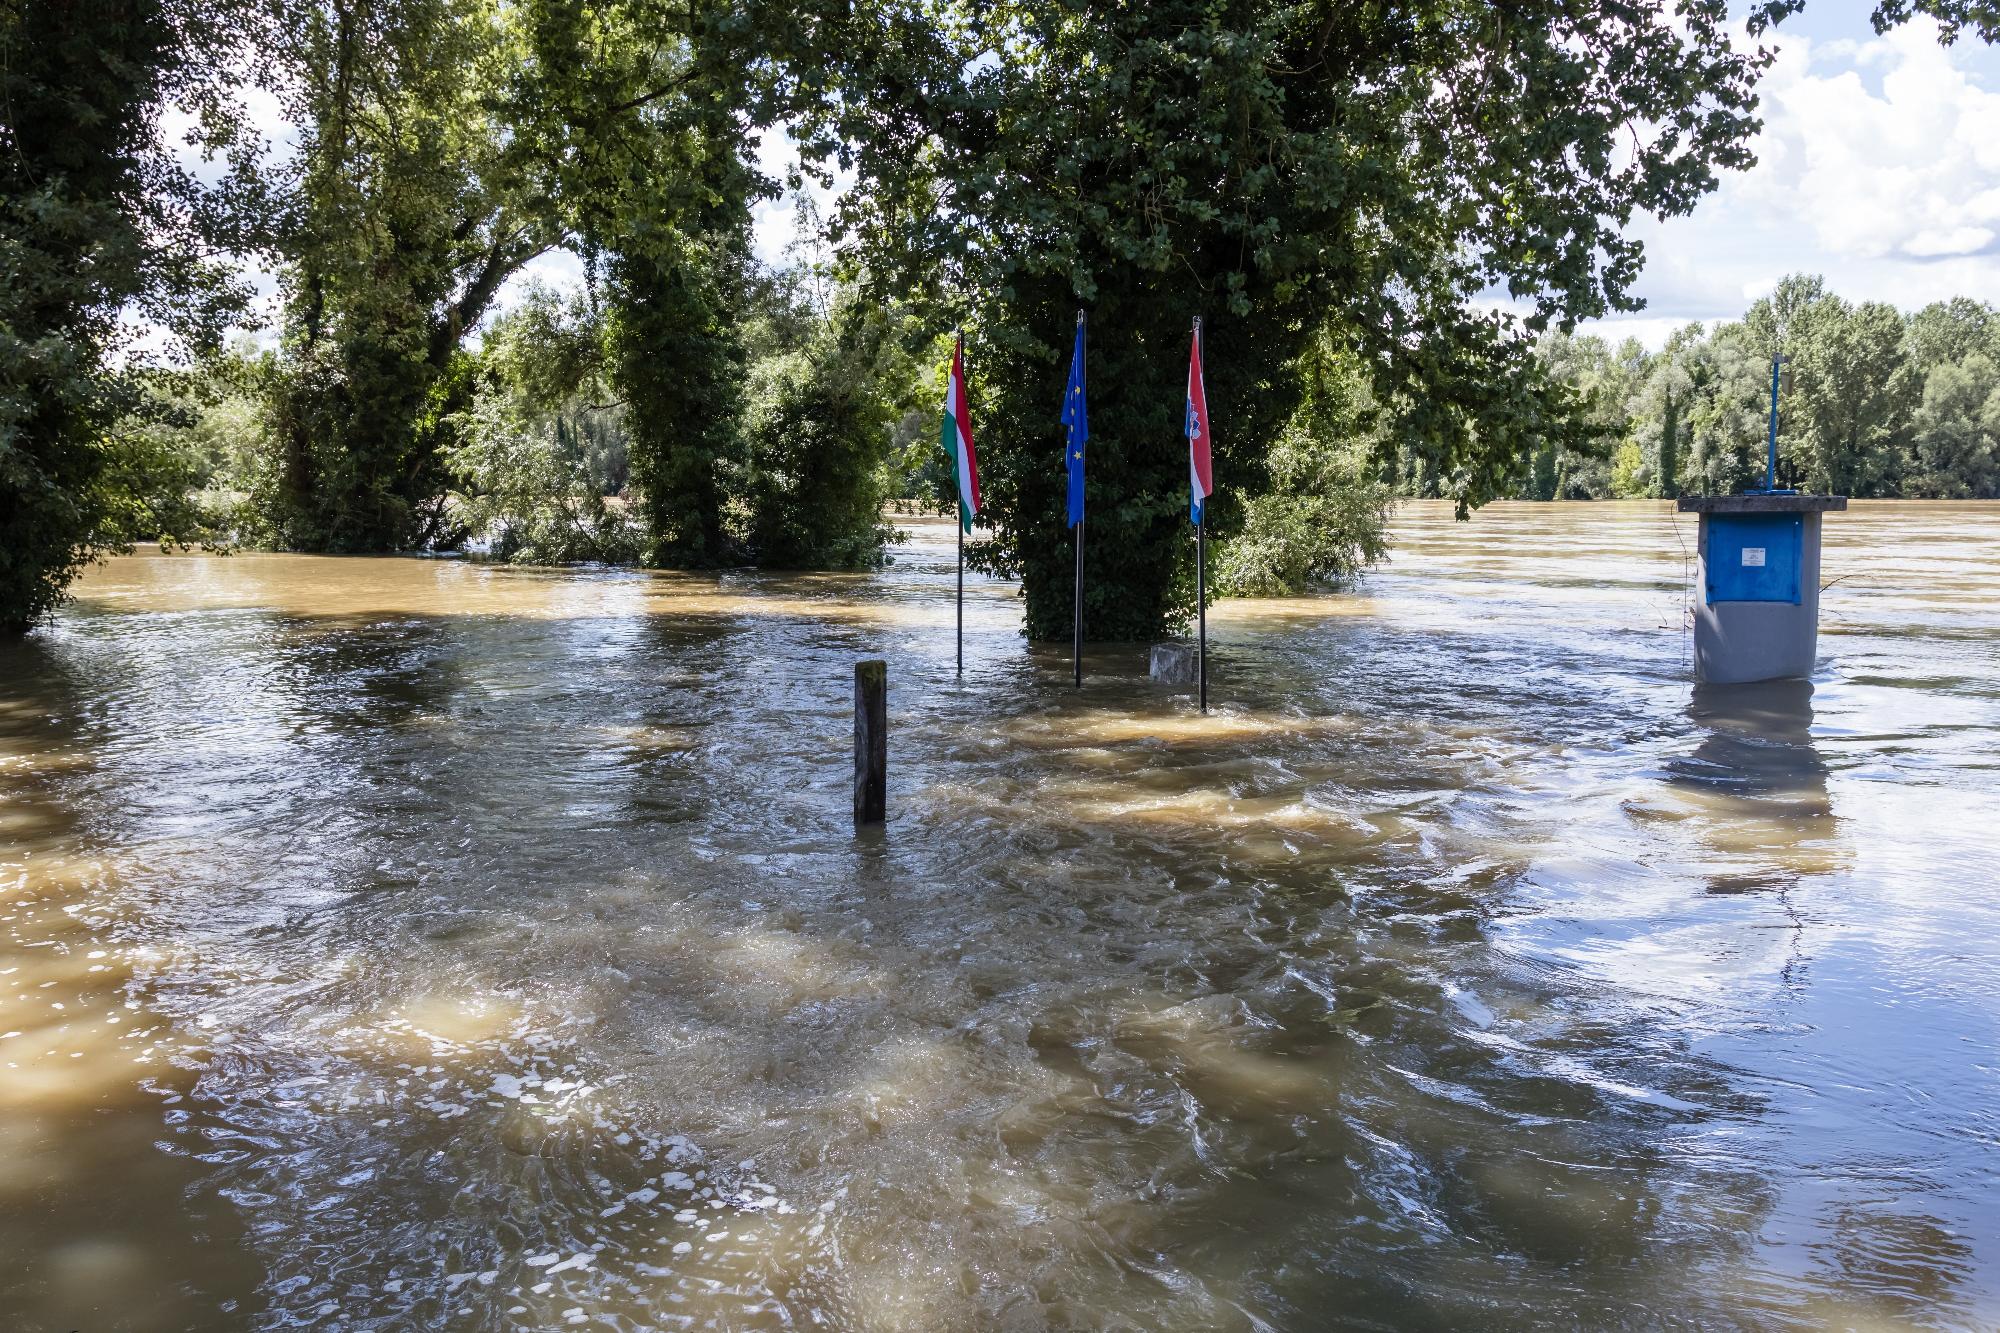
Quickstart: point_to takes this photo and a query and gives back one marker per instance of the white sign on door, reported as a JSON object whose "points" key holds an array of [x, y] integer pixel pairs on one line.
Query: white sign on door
{"points": [[1753, 557]]}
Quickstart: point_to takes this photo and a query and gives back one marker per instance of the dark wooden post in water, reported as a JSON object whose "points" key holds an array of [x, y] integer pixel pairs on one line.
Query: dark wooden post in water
{"points": [[871, 741]]}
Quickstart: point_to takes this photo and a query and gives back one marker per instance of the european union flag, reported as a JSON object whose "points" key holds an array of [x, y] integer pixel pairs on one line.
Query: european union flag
{"points": [[1077, 419]]}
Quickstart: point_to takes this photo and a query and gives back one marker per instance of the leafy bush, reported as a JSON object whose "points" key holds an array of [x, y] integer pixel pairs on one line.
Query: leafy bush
{"points": [[541, 451], [1323, 521], [830, 402]]}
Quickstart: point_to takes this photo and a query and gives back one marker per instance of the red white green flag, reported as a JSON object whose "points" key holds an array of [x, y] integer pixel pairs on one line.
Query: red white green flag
{"points": [[955, 433]]}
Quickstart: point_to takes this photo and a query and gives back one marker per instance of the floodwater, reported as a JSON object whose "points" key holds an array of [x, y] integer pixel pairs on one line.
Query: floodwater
{"points": [[402, 943]]}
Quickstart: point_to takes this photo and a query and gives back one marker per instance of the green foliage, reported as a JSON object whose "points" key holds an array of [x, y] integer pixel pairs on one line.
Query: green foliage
{"points": [[1726, 423], [148, 492], [679, 362], [96, 218], [1949, 331], [1874, 404], [1324, 517], [1630, 478], [642, 115], [189, 447], [823, 422], [411, 213], [542, 450], [1323, 522], [1669, 386], [1846, 422], [1578, 463], [1957, 432], [216, 419], [1275, 169]]}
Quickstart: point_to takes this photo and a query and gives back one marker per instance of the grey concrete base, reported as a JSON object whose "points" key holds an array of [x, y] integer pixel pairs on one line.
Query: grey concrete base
{"points": [[1175, 664], [1739, 642]]}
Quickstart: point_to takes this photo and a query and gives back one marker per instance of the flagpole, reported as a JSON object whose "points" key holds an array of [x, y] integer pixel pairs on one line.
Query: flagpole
{"points": [[1201, 598], [1201, 575], [959, 341], [961, 588], [1076, 647]]}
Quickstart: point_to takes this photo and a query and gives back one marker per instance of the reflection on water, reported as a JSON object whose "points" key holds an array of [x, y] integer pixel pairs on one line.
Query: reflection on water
{"points": [[1759, 785], [399, 943]]}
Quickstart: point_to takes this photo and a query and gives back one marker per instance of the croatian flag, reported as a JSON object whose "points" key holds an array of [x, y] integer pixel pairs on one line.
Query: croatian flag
{"points": [[1201, 476], [955, 433]]}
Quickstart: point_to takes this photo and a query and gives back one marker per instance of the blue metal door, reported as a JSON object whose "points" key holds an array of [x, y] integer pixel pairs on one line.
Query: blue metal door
{"points": [[1755, 557]]}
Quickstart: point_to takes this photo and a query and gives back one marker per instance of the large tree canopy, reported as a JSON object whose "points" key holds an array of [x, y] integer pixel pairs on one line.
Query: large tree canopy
{"points": [[1364, 178], [97, 219], [1377, 170], [1276, 169]]}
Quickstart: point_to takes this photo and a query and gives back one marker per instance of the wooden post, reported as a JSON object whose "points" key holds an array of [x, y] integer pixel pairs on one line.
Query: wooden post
{"points": [[871, 741]]}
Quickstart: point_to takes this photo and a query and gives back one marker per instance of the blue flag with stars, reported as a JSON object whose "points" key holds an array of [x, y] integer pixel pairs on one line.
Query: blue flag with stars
{"points": [[1077, 420]]}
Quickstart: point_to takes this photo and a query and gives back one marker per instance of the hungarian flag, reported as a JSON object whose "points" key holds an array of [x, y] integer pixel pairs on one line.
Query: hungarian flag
{"points": [[955, 433], [1201, 476]]}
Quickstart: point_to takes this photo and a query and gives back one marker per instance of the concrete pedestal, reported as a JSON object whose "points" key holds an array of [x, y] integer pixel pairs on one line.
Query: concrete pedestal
{"points": [[1175, 664], [1757, 613]]}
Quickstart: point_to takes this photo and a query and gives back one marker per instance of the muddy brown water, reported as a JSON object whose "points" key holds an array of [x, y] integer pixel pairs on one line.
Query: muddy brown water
{"points": [[400, 943]]}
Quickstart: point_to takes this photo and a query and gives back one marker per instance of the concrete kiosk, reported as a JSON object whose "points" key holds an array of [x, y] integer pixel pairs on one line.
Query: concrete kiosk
{"points": [[1758, 614]]}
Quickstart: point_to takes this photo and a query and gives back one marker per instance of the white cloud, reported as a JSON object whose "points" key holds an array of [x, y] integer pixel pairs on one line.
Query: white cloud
{"points": [[1952, 241], [1651, 331], [777, 224], [1906, 170], [1878, 167]]}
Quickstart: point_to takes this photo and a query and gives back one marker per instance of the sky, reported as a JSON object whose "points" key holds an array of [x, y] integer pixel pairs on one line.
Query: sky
{"points": [[1878, 167]]}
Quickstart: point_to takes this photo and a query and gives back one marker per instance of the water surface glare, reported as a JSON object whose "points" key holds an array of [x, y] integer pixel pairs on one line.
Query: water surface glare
{"points": [[398, 943]]}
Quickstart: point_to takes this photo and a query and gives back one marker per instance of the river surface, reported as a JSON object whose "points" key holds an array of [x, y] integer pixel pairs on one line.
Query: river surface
{"points": [[401, 943]]}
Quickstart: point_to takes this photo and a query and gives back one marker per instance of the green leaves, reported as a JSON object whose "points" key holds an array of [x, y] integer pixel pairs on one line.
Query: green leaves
{"points": [[1281, 170], [95, 217], [1876, 403]]}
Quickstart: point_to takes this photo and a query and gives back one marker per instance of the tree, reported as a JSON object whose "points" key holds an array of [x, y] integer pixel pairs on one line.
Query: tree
{"points": [[544, 445], [1323, 517], [98, 218], [1727, 412], [1957, 432], [1847, 419], [410, 214], [1261, 165], [643, 115], [819, 434], [1771, 323], [1575, 465], [1667, 393], [1948, 331]]}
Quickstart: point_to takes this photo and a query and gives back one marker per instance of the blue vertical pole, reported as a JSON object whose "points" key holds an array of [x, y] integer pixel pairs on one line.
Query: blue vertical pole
{"points": [[1076, 626], [1771, 462]]}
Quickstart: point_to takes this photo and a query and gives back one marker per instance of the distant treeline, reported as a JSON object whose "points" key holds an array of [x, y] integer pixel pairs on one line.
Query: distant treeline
{"points": [[1875, 403]]}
